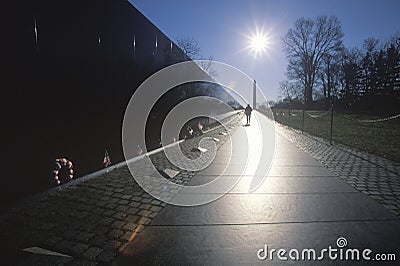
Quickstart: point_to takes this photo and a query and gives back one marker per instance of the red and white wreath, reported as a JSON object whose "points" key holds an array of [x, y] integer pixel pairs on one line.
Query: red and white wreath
{"points": [[60, 163]]}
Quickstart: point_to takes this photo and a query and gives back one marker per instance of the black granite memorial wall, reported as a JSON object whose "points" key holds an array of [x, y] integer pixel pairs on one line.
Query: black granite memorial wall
{"points": [[69, 70]]}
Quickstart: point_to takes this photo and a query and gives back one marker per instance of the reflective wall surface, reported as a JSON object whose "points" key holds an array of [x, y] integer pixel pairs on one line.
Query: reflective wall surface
{"points": [[69, 70]]}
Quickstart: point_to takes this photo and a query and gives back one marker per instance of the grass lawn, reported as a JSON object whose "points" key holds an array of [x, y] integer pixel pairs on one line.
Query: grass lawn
{"points": [[380, 138]]}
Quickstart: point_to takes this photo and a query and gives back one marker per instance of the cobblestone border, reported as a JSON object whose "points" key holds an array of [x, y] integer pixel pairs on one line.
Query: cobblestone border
{"points": [[375, 176]]}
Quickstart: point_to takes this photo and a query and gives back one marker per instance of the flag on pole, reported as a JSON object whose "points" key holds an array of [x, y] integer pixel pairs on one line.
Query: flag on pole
{"points": [[139, 150], [106, 160], [200, 126]]}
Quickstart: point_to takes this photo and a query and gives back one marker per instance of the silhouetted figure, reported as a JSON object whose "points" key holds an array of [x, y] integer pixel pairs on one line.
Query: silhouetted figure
{"points": [[247, 111]]}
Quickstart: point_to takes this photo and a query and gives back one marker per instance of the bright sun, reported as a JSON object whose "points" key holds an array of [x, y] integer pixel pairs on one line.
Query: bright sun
{"points": [[259, 43]]}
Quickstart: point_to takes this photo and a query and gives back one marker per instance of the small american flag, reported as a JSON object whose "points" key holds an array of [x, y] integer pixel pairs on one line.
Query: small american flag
{"points": [[200, 126], [139, 150], [106, 160]]}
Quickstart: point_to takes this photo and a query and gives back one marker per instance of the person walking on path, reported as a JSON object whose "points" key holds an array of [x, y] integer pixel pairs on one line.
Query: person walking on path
{"points": [[247, 111]]}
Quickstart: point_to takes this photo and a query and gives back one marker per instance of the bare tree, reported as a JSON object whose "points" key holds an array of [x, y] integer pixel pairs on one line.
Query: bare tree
{"points": [[191, 51], [306, 44], [189, 47], [284, 90], [371, 49], [330, 74], [289, 91], [351, 73], [393, 64]]}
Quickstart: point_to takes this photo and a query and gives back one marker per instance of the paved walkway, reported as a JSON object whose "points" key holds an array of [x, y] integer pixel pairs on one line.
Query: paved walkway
{"points": [[301, 204]]}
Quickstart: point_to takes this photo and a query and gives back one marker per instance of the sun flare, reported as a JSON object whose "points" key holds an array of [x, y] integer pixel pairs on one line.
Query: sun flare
{"points": [[259, 43]]}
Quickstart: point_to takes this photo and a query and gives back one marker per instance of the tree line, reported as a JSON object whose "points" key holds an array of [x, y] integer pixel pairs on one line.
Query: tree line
{"points": [[322, 71]]}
